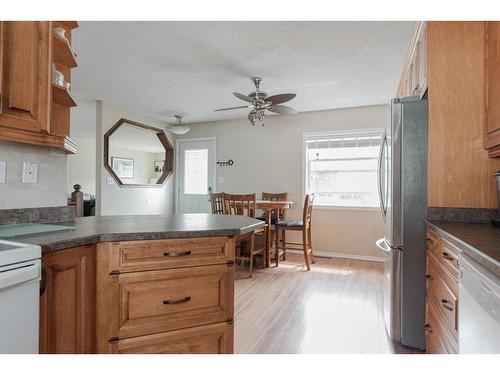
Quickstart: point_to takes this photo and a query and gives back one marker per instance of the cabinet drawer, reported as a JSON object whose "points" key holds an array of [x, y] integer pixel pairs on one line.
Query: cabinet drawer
{"points": [[433, 335], [158, 301], [174, 253], [445, 252], [211, 339], [436, 269], [438, 333], [449, 256], [433, 241], [444, 300]]}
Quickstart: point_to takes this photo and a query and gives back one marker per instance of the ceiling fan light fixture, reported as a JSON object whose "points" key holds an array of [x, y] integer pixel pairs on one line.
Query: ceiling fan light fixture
{"points": [[178, 128]]}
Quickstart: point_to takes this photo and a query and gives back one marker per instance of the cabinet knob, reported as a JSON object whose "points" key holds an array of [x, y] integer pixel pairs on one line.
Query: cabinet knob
{"points": [[177, 301], [447, 304], [177, 254], [447, 256]]}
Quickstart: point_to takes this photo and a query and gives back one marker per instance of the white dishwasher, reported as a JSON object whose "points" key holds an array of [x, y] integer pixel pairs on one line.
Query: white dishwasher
{"points": [[20, 271], [479, 308]]}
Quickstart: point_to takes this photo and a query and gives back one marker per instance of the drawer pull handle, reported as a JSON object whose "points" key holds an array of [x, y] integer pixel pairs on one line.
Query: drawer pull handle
{"points": [[428, 329], [448, 257], [176, 301], [446, 304], [176, 254]]}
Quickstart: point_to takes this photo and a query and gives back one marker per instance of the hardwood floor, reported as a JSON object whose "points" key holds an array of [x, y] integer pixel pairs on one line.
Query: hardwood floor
{"points": [[334, 308]]}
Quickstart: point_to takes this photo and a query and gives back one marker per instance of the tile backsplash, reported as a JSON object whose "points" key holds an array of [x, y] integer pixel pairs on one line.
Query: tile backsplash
{"points": [[50, 189]]}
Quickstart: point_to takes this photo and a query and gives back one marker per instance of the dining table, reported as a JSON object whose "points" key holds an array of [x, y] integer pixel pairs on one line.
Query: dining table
{"points": [[268, 207]]}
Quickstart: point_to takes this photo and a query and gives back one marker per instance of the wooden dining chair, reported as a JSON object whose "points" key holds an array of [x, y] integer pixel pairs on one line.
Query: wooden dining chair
{"points": [[276, 215], [244, 204], [303, 226], [217, 203]]}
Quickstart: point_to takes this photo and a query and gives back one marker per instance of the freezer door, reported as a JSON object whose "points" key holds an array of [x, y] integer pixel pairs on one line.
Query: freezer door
{"points": [[392, 289]]}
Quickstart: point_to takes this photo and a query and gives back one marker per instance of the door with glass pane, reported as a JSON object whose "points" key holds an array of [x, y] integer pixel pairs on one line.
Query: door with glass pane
{"points": [[196, 175]]}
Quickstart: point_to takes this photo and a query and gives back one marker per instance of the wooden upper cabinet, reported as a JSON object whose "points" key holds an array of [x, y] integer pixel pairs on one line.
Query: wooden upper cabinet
{"points": [[25, 89], [492, 87], [414, 77]]}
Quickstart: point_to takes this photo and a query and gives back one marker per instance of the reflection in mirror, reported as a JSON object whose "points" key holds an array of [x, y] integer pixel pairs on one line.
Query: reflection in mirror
{"points": [[137, 154]]}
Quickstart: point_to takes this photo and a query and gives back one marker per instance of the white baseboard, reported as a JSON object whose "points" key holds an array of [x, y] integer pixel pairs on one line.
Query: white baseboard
{"points": [[328, 254]]}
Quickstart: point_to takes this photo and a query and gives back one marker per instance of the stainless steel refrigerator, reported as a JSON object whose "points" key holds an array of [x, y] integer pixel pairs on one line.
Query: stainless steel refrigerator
{"points": [[402, 182]]}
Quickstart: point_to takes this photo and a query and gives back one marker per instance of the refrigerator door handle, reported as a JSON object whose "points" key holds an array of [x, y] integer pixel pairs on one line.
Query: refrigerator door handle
{"points": [[380, 164], [382, 245]]}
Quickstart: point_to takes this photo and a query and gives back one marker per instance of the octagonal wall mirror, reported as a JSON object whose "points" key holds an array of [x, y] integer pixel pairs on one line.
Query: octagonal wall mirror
{"points": [[137, 155]]}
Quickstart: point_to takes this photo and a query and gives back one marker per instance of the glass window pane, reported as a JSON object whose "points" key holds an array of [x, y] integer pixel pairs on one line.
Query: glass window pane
{"points": [[342, 170], [195, 171]]}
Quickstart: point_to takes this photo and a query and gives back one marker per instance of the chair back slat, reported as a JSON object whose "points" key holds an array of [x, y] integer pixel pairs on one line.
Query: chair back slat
{"points": [[239, 204], [274, 197], [308, 206], [217, 203]]}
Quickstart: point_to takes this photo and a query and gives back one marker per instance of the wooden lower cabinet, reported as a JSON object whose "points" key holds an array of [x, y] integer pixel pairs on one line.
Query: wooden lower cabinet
{"points": [[128, 297], [442, 304], [67, 305], [209, 339], [165, 296]]}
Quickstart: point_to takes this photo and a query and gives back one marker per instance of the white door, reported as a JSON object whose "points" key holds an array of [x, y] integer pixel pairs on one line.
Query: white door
{"points": [[196, 175]]}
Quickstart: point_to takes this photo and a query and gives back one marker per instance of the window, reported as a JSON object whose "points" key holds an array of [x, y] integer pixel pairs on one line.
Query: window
{"points": [[341, 168], [195, 171]]}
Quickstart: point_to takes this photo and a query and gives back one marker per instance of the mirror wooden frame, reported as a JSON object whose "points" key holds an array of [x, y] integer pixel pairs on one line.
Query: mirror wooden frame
{"points": [[168, 167]]}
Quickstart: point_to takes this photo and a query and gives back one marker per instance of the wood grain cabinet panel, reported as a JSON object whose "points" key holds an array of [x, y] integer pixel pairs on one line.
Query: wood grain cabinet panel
{"points": [[165, 296], [67, 306], [211, 339], [442, 302], [165, 300], [492, 88], [25, 51], [184, 252]]}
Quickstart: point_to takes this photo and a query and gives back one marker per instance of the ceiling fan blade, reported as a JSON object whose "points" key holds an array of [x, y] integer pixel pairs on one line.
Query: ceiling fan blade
{"points": [[242, 97], [280, 98], [230, 108], [283, 109]]}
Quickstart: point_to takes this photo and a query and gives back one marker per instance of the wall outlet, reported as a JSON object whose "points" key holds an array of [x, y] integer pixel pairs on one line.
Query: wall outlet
{"points": [[3, 171], [30, 173]]}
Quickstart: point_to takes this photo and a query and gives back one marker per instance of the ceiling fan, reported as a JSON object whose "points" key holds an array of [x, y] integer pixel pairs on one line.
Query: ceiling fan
{"points": [[260, 102]]}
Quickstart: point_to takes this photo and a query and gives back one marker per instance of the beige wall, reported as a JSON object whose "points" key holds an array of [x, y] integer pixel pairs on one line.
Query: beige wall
{"points": [[113, 200], [270, 158]]}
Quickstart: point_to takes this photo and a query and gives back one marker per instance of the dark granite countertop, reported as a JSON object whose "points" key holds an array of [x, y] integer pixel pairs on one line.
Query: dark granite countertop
{"points": [[89, 230], [479, 241]]}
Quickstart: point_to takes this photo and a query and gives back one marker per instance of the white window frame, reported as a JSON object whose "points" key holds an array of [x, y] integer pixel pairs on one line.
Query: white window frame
{"points": [[335, 133]]}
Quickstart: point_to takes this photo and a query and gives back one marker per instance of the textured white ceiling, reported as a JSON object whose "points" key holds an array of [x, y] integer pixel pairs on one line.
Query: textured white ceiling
{"points": [[163, 68]]}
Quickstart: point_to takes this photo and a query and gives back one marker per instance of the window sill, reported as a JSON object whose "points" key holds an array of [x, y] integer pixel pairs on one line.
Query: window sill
{"points": [[345, 208]]}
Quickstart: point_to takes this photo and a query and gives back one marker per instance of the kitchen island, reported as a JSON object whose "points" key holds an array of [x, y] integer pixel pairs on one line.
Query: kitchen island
{"points": [[140, 284]]}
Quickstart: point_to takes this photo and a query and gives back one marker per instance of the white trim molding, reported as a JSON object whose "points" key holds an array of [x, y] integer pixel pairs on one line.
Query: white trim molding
{"points": [[329, 254]]}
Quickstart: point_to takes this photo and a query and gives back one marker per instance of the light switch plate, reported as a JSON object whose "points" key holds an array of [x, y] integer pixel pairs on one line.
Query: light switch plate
{"points": [[3, 171], [30, 173]]}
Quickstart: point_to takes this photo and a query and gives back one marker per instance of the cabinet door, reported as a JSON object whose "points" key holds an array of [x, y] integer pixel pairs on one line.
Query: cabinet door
{"points": [[422, 60], [67, 305], [492, 131], [25, 84]]}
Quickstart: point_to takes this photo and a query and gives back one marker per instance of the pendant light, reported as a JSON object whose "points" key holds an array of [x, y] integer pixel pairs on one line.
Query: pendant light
{"points": [[178, 128]]}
